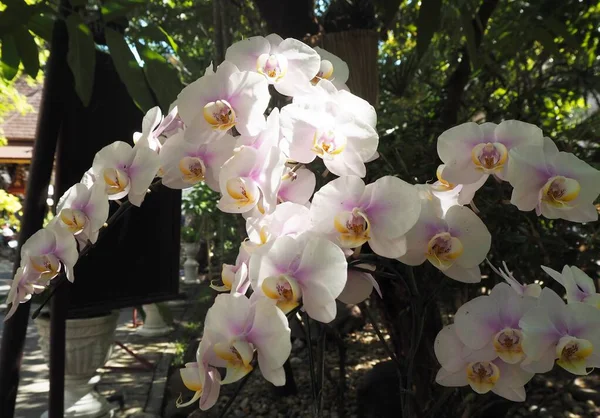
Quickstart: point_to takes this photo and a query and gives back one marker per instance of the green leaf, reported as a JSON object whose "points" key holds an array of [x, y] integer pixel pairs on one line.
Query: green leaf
{"points": [[10, 57], [158, 34], [428, 22], [129, 71], [115, 9], [41, 25], [28, 51], [546, 39], [81, 57], [560, 29], [162, 77], [467, 25]]}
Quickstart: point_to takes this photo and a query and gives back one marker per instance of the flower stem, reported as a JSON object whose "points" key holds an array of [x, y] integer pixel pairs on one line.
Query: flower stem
{"points": [[311, 362]]}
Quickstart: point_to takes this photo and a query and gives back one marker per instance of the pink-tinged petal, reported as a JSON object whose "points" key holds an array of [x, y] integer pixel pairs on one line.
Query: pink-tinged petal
{"points": [[467, 192], [529, 168], [304, 62], [463, 274], [511, 382], [240, 164], [512, 306], [239, 195], [362, 137], [270, 334], [65, 248], [299, 126], [515, 394], [569, 165], [270, 136], [451, 379], [227, 318], [272, 259], [393, 206], [349, 163], [212, 387], [543, 364], [197, 133], [274, 40], [477, 321], [583, 321], [151, 119], [474, 236], [143, 169], [116, 155], [297, 187], [584, 212], [322, 275], [454, 148], [244, 53], [448, 349], [514, 133], [76, 197], [249, 96], [215, 154], [269, 178], [584, 282], [566, 279], [341, 194], [340, 68], [359, 286], [42, 242], [97, 207], [388, 247]]}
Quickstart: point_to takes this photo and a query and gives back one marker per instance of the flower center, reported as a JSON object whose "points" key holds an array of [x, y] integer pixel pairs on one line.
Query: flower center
{"points": [[220, 115], [325, 71], [572, 352], [238, 355], [284, 289], [328, 143], [443, 250], [241, 191], [274, 67], [116, 180], [354, 228], [482, 376], [489, 157], [74, 219], [559, 191], [507, 344], [192, 169], [48, 265]]}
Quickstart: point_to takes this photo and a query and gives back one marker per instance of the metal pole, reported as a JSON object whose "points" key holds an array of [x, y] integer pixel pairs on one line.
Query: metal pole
{"points": [[49, 122]]}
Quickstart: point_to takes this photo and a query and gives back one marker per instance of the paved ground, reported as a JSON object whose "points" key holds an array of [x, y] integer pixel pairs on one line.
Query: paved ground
{"points": [[139, 389]]}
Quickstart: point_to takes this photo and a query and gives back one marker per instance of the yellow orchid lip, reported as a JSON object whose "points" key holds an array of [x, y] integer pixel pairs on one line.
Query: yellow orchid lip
{"points": [[274, 67], [328, 143], [507, 344], [482, 376], [284, 289], [325, 72], [354, 228], [559, 191], [572, 353], [74, 219], [443, 250], [489, 157], [238, 190], [220, 115], [116, 180], [47, 265], [192, 169], [238, 355]]}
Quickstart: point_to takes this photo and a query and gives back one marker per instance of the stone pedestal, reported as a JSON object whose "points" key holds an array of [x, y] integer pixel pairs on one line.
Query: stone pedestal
{"points": [[89, 344], [154, 324], [190, 266]]}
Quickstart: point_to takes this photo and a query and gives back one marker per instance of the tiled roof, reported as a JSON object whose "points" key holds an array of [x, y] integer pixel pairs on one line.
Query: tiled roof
{"points": [[18, 127]]}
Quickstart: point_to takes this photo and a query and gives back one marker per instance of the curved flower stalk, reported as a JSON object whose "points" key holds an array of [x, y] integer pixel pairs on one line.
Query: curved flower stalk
{"points": [[579, 286], [332, 68], [290, 65], [125, 170], [568, 334], [185, 163], [237, 328], [462, 366], [471, 151], [555, 184], [381, 213], [225, 99], [308, 269], [83, 211], [455, 244]]}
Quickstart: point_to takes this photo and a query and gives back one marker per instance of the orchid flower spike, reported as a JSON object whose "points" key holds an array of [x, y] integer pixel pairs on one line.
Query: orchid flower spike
{"points": [[226, 98], [555, 184], [480, 369], [470, 151], [381, 213], [308, 269], [568, 334], [238, 329], [186, 163], [455, 244], [125, 170], [288, 64], [579, 286], [83, 211], [23, 286]]}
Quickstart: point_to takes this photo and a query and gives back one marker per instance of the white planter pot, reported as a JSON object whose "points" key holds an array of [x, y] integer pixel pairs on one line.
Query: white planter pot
{"points": [[190, 266], [89, 344], [154, 324]]}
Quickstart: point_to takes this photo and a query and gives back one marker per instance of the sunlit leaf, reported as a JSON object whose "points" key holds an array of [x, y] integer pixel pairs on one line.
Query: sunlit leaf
{"points": [[28, 51], [81, 57], [162, 77], [10, 57]]}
